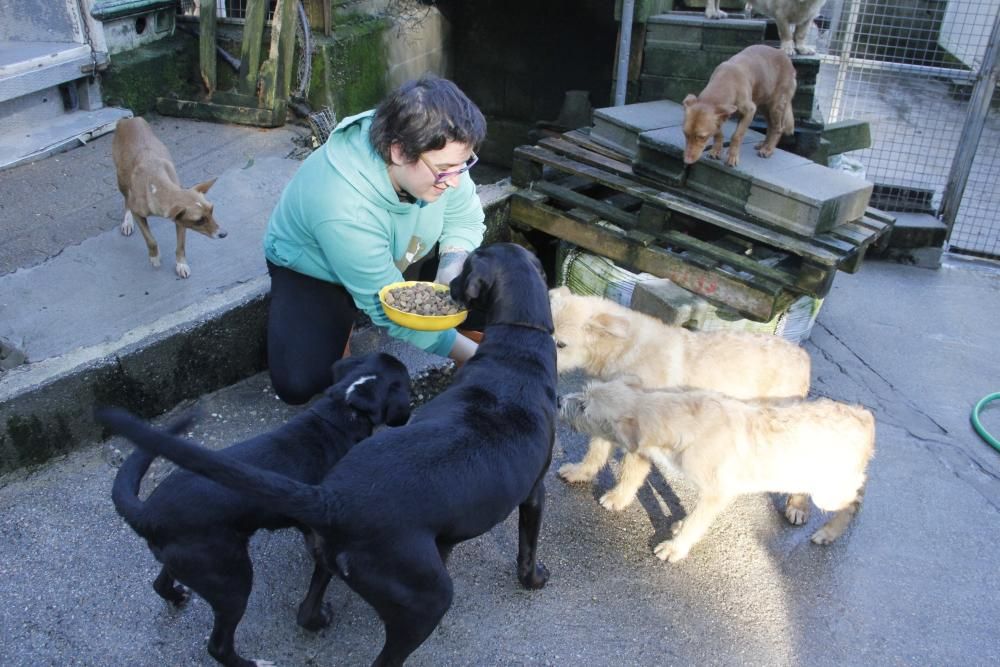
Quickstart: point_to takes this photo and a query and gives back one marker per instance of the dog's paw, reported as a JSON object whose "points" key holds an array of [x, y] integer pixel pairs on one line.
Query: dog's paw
{"points": [[263, 663], [182, 269], [155, 260], [616, 501], [319, 619], [670, 551], [128, 224], [715, 14], [576, 473], [764, 151], [733, 159], [788, 48], [797, 509], [823, 536], [804, 50], [535, 579]]}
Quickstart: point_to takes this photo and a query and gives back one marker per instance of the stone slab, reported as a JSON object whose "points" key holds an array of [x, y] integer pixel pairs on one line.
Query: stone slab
{"points": [[808, 199], [619, 127]]}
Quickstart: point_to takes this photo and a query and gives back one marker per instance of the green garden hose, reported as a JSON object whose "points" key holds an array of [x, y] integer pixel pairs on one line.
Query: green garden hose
{"points": [[976, 424]]}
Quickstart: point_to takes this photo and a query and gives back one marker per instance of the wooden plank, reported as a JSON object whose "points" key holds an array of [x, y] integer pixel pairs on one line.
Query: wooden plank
{"points": [[253, 44], [571, 198], [760, 300], [219, 112], [733, 259], [206, 45], [680, 204]]}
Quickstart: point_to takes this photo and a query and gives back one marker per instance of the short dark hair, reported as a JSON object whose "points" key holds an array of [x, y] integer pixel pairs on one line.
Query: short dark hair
{"points": [[423, 115]]}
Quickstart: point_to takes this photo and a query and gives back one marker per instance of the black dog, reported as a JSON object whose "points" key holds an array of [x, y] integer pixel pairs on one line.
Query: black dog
{"points": [[199, 530], [390, 512]]}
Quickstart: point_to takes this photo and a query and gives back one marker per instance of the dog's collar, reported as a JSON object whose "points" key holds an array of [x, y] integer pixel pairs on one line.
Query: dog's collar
{"points": [[526, 325], [353, 416]]}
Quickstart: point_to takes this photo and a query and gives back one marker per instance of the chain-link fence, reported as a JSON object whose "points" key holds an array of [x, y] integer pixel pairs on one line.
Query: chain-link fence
{"points": [[909, 68]]}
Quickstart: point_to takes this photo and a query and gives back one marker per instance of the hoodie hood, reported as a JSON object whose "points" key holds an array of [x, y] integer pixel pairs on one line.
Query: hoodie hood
{"points": [[349, 150]]}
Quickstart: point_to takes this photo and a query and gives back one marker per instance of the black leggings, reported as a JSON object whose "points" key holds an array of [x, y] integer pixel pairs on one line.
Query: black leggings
{"points": [[308, 324]]}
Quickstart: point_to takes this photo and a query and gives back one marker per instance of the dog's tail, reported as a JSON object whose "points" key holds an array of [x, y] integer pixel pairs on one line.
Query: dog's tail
{"points": [[788, 122], [125, 490], [303, 502]]}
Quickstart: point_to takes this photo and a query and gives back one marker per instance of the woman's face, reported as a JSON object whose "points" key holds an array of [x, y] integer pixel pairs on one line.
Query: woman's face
{"points": [[418, 177]]}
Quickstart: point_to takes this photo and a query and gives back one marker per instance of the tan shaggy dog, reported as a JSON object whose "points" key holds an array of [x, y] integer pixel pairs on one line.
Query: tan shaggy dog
{"points": [[728, 447], [607, 340]]}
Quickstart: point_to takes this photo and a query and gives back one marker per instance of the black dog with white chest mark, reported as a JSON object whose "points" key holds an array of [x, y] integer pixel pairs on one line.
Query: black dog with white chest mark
{"points": [[390, 512], [199, 530]]}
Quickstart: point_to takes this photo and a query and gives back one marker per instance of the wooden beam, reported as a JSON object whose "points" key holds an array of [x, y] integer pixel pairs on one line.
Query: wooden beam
{"points": [[206, 45], [760, 300], [253, 45]]}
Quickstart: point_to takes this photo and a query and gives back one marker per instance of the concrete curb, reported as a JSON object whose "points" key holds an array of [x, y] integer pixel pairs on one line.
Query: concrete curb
{"points": [[46, 407]]}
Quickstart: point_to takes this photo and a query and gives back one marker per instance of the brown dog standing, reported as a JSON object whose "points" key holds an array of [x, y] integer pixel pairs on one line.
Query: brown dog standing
{"points": [[147, 180], [757, 76]]}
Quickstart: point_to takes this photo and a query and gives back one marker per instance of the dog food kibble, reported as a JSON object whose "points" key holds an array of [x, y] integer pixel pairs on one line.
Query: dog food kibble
{"points": [[421, 300]]}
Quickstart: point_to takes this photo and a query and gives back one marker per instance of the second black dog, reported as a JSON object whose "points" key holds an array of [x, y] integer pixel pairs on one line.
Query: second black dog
{"points": [[199, 530], [390, 512]]}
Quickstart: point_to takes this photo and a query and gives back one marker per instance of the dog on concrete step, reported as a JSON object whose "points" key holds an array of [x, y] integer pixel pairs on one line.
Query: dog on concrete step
{"points": [[149, 183], [759, 76], [391, 510], [199, 530], [793, 18]]}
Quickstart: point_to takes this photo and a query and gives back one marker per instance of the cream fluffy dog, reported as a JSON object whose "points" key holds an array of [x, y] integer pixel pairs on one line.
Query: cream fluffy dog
{"points": [[728, 447], [608, 340]]}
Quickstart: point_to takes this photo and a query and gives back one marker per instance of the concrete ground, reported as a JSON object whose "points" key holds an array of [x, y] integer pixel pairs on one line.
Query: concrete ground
{"points": [[912, 581]]}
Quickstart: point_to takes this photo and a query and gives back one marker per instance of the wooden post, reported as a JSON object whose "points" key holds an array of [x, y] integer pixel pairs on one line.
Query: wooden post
{"points": [[253, 44], [206, 45]]}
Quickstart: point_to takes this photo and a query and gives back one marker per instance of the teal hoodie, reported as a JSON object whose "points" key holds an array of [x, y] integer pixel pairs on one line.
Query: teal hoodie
{"points": [[340, 220]]}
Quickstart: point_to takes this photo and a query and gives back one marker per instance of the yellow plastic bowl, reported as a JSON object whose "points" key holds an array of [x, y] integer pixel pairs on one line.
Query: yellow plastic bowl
{"points": [[420, 322]]}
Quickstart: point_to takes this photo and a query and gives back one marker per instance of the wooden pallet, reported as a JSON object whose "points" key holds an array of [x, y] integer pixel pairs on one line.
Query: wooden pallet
{"points": [[577, 190]]}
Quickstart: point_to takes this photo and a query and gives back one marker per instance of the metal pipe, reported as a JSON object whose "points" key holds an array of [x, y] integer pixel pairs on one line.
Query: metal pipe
{"points": [[624, 47], [972, 130], [907, 68], [846, 44]]}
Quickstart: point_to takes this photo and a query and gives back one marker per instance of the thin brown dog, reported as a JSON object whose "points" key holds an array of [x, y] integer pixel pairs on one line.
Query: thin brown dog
{"points": [[147, 180], [757, 76]]}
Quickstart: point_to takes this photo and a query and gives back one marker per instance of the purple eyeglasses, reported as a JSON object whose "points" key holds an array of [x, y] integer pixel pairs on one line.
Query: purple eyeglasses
{"points": [[442, 176]]}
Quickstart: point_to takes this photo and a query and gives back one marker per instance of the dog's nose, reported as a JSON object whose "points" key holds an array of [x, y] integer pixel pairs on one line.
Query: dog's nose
{"points": [[559, 402], [222, 233]]}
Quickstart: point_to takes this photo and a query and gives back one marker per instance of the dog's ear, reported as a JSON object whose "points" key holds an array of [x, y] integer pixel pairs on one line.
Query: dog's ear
{"points": [[725, 111], [626, 430], [689, 100], [342, 367], [471, 283], [609, 324], [176, 212], [203, 187]]}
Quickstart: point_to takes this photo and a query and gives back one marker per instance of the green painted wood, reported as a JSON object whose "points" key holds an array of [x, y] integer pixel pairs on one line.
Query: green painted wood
{"points": [[252, 46], [206, 45], [759, 300]]}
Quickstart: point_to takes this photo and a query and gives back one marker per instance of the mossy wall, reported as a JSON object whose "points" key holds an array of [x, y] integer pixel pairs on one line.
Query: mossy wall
{"points": [[348, 68], [137, 77]]}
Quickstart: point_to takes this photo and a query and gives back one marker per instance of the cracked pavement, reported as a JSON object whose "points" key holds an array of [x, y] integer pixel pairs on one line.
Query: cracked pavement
{"points": [[912, 581]]}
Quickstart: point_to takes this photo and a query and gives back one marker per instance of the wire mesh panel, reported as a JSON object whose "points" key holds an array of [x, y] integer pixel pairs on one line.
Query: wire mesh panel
{"points": [[907, 67]]}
